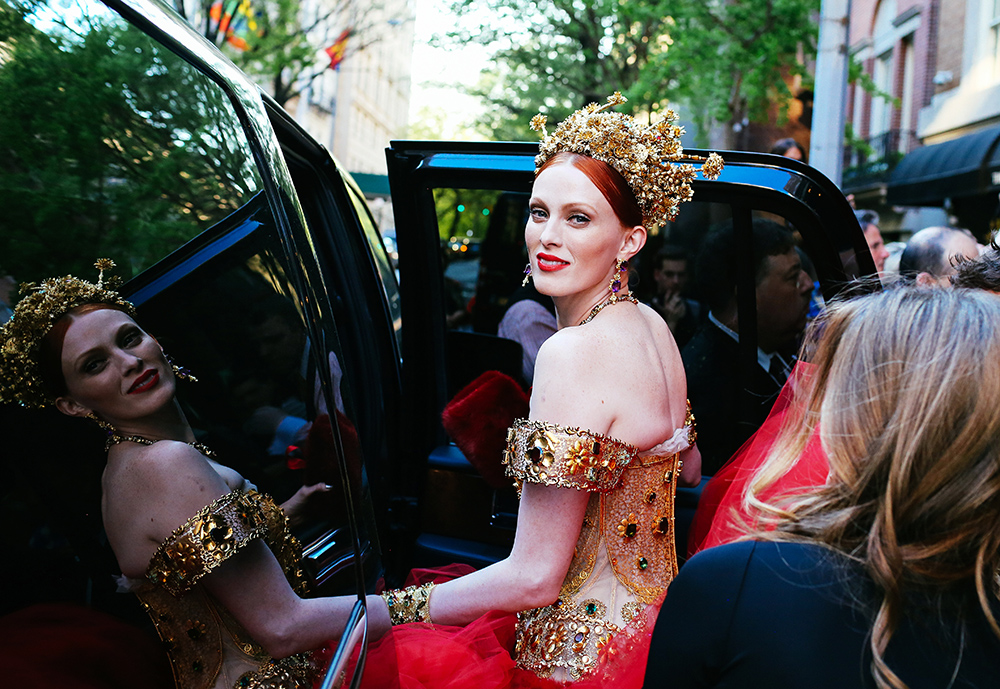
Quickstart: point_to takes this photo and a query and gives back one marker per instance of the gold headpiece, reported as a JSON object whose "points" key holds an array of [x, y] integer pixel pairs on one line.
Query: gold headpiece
{"points": [[34, 316], [642, 154]]}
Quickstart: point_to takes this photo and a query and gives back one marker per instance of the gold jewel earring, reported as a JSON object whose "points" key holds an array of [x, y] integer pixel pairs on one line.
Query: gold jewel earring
{"points": [[621, 265], [527, 275], [181, 372]]}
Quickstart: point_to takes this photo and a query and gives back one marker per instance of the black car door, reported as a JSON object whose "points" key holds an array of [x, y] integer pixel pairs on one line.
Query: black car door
{"points": [[128, 136]]}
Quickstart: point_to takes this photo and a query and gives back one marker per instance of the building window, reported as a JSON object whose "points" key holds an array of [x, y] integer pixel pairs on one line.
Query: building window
{"points": [[906, 99], [881, 106], [994, 24]]}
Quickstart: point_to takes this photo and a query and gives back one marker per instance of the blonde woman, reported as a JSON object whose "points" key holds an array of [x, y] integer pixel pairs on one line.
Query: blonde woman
{"points": [[886, 575]]}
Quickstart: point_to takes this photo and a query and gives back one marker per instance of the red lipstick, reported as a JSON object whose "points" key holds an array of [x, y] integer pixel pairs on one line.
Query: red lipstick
{"points": [[146, 381], [549, 263]]}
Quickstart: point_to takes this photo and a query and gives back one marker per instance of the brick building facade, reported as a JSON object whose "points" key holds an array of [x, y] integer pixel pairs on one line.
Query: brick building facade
{"points": [[930, 145]]}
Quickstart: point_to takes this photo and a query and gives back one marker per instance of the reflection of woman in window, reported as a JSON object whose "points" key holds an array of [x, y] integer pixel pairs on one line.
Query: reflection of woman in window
{"points": [[220, 597], [594, 548]]}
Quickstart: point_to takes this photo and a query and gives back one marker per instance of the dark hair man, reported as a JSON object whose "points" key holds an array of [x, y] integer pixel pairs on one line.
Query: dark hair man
{"points": [[670, 275], [717, 388]]}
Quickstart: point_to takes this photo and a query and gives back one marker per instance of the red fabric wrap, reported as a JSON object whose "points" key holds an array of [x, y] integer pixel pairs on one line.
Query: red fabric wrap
{"points": [[425, 656], [720, 517], [478, 417]]}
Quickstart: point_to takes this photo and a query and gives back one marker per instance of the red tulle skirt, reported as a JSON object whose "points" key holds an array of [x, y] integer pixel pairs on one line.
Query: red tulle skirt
{"points": [[479, 655], [721, 516]]}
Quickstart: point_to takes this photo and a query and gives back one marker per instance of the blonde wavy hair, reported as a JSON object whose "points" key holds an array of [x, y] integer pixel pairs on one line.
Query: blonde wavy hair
{"points": [[907, 384]]}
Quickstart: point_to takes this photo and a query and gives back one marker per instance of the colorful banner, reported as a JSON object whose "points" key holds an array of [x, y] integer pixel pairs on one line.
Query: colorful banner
{"points": [[338, 49], [235, 20]]}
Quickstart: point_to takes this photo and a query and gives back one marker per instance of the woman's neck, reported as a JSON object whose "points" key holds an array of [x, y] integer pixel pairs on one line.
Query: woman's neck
{"points": [[168, 423], [573, 308]]}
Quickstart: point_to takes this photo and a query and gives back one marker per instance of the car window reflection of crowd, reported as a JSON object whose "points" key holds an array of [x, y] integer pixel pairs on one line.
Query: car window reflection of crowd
{"points": [[730, 403], [280, 393]]}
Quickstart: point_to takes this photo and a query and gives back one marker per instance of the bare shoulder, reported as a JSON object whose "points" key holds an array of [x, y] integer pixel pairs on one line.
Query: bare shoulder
{"points": [[573, 384], [151, 490], [565, 352], [654, 321], [164, 466]]}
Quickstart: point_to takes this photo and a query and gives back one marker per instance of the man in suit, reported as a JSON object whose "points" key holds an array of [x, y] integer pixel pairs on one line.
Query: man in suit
{"points": [[729, 404]]}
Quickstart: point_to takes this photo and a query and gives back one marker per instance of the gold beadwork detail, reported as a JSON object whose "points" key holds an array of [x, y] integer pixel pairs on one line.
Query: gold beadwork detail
{"points": [[563, 636], [628, 528], [691, 425], [205, 541], [647, 156], [190, 623], [411, 604], [541, 452]]}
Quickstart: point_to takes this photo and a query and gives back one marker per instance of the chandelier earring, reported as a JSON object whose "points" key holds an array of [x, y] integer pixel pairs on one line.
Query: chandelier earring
{"points": [[181, 372], [621, 266], [527, 275]]}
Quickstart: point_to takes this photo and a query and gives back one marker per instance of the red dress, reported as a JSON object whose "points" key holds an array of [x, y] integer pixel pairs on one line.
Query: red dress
{"points": [[721, 516], [480, 654], [598, 633]]}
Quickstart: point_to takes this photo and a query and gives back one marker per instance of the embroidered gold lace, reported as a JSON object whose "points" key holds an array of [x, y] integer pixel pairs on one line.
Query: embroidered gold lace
{"points": [[625, 555], [208, 648]]}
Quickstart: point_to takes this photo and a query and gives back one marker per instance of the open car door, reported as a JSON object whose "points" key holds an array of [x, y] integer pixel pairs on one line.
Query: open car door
{"points": [[460, 212]]}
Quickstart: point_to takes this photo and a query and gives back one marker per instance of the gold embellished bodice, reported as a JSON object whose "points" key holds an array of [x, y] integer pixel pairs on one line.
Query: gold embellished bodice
{"points": [[625, 555], [208, 648]]}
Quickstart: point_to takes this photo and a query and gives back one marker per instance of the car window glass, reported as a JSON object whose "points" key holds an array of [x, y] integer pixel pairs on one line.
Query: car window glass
{"points": [[380, 251], [113, 145], [140, 157], [260, 402], [481, 234]]}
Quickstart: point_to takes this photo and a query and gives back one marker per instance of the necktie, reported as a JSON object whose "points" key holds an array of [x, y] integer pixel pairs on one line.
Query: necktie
{"points": [[777, 369]]}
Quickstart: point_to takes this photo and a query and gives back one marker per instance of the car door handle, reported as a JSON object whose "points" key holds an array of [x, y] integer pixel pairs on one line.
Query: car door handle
{"points": [[356, 631]]}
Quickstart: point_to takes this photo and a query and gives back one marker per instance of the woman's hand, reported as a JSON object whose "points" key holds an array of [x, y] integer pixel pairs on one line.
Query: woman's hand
{"points": [[294, 506]]}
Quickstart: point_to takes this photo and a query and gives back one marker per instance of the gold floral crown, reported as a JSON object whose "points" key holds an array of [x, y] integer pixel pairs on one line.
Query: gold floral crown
{"points": [[642, 154], [34, 316]]}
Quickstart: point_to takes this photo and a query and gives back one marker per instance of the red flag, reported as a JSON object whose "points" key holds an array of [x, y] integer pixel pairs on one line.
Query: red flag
{"points": [[337, 50]]}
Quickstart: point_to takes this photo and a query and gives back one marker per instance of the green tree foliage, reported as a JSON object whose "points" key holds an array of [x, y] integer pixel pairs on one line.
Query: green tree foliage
{"points": [[730, 62], [110, 145], [726, 61]]}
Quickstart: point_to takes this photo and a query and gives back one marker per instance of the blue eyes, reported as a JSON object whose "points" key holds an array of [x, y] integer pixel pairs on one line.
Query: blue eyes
{"points": [[539, 214]]}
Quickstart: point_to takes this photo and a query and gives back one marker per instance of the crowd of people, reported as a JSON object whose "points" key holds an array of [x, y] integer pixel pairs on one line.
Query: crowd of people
{"points": [[855, 532]]}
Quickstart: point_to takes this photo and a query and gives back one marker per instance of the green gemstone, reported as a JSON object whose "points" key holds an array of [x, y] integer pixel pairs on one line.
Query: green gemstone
{"points": [[591, 608], [643, 563], [631, 530]]}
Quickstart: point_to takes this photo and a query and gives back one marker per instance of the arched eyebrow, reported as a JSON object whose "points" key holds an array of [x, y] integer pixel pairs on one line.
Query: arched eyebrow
{"points": [[81, 359]]}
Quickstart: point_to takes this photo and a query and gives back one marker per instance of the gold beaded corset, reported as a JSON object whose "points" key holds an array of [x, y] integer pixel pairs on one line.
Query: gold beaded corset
{"points": [[625, 555], [208, 648]]}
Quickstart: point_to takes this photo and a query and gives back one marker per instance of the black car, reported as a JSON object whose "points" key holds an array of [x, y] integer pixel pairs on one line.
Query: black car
{"points": [[252, 256]]}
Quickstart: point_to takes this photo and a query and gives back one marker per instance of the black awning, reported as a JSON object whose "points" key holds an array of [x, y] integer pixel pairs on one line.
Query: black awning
{"points": [[956, 168]]}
